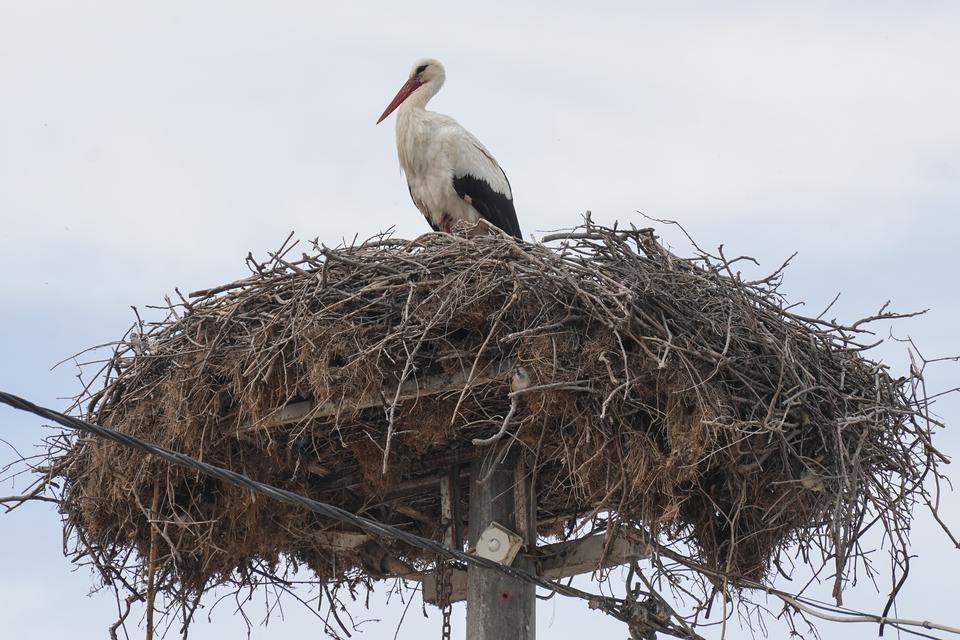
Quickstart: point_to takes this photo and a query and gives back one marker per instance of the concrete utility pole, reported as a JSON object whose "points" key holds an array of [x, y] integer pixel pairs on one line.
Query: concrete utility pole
{"points": [[499, 607]]}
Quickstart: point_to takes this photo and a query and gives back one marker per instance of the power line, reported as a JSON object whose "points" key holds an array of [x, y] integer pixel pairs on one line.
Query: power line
{"points": [[608, 604], [612, 606]]}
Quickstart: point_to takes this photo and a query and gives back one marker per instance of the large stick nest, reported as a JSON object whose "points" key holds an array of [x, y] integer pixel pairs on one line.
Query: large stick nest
{"points": [[663, 394]]}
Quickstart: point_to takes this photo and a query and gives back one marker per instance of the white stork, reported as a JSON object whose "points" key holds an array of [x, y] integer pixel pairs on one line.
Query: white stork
{"points": [[450, 175]]}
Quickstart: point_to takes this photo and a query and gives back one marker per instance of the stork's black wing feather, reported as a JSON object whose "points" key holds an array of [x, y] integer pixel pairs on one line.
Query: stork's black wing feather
{"points": [[496, 208]]}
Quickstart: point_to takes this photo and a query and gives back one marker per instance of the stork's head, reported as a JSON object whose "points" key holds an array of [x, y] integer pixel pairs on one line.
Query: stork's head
{"points": [[425, 79]]}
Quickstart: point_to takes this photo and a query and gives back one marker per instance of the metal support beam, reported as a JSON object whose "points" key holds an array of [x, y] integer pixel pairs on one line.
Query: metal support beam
{"points": [[499, 607]]}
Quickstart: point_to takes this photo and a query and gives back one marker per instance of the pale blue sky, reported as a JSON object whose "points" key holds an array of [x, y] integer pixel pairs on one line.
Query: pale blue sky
{"points": [[147, 147]]}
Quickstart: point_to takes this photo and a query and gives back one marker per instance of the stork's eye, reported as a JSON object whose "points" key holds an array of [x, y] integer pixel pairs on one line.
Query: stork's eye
{"points": [[421, 68]]}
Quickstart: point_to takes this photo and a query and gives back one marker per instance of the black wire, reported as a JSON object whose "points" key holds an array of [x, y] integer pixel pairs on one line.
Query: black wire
{"points": [[611, 606], [608, 604]]}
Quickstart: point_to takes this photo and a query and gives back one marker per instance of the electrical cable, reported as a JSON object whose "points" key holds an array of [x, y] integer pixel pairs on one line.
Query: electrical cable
{"points": [[372, 527], [610, 605]]}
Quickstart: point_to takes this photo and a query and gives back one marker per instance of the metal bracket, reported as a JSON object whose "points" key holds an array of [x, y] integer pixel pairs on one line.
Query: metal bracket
{"points": [[499, 544]]}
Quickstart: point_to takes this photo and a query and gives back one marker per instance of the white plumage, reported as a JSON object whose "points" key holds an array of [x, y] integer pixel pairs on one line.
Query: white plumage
{"points": [[450, 174]]}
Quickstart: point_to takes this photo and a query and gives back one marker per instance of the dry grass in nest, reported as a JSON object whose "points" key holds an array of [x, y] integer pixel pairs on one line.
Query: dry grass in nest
{"points": [[665, 394]]}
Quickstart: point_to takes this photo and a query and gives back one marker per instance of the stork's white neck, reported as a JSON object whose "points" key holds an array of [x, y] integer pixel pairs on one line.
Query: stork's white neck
{"points": [[414, 125], [412, 117], [419, 98]]}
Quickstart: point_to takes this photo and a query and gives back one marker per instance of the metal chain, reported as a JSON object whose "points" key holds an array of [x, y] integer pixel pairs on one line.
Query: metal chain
{"points": [[444, 593]]}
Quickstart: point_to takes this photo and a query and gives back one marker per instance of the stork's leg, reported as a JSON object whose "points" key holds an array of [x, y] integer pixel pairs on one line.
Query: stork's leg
{"points": [[446, 223]]}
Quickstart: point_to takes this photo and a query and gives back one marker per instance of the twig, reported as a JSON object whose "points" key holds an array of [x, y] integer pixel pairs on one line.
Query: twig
{"points": [[152, 561], [482, 442]]}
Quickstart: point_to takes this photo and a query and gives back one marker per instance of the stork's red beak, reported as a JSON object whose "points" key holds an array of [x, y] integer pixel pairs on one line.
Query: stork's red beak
{"points": [[409, 87]]}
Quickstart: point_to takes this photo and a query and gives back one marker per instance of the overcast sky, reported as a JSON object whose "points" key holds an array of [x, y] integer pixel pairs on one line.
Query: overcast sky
{"points": [[147, 147]]}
